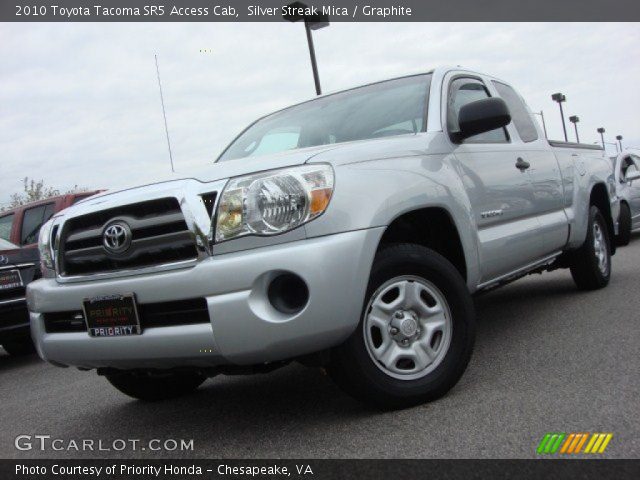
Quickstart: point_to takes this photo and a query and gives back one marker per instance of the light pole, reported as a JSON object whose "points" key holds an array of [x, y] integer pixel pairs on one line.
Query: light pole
{"points": [[601, 132], [296, 12], [560, 98], [544, 125], [619, 138], [575, 119]]}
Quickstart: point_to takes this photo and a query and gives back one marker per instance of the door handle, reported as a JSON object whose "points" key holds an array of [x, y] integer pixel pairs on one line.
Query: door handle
{"points": [[522, 164]]}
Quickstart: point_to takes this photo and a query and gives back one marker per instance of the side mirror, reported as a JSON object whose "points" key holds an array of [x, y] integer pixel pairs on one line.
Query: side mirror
{"points": [[632, 175], [482, 116]]}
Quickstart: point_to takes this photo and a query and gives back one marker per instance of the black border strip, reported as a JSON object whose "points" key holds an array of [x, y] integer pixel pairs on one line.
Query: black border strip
{"points": [[338, 10], [584, 469]]}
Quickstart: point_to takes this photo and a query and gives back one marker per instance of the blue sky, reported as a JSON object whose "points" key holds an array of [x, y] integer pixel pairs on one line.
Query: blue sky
{"points": [[79, 103]]}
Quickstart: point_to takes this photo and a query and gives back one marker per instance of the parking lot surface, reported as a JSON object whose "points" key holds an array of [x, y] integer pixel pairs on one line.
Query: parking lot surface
{"points": [[548, 358]]}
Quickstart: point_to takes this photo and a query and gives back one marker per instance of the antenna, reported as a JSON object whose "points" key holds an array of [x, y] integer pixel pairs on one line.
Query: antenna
{"points": [[164, 114]]}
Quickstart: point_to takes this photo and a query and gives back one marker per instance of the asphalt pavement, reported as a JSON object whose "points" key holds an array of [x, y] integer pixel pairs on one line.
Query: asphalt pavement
{"points": [[548, 358]]}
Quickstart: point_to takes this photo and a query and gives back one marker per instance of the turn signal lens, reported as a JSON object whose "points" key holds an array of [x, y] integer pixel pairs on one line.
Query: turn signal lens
{"points": [[320, 200]]}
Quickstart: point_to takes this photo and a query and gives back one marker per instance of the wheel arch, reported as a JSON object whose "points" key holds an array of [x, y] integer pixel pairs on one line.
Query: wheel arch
{"points": [[432, 227], [600, 198]]}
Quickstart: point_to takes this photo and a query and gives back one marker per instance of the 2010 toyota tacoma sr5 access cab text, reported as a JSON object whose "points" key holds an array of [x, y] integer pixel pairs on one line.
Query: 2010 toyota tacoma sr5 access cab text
{"points": [[349, 231]]}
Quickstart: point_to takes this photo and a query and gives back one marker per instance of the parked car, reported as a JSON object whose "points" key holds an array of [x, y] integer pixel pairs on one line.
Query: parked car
{"points": [[21, 225], [348, 231], [627, 175], [18, 267]]}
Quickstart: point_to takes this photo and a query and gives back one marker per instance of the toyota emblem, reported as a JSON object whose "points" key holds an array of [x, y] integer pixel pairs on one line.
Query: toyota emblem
{"points": [[4, 260], [116, 237]]}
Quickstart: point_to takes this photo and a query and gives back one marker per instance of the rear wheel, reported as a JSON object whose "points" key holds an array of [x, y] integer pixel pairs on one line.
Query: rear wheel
{"points": [[591, 263], [19, 348], [155, 387], [416, 333], [624, 225]]}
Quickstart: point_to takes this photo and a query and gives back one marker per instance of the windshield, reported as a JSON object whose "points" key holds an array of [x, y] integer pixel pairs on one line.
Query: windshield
{"points": [[393, 107], [5, 245]]}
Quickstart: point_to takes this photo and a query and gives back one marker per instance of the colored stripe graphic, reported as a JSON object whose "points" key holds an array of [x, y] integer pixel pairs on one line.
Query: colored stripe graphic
{"points": [[572, 443], [581, 442], [543, 443], [604, 445], [567, 442]]}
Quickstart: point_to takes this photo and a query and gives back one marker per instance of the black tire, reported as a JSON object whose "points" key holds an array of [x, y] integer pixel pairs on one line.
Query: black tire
{"points": [[19, 348], [624, 225], [152, 388], [585, 268], [353, 368]]}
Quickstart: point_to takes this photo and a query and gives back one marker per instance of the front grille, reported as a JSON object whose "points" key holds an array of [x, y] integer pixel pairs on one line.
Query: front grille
{"points": [[159, 235], [152, 315]]}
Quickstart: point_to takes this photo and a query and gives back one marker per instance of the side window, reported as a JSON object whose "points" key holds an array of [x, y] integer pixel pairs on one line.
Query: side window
{"points": [[626, 165], [32, 221], [519, 113], [6, 223], [467, 90], [629, 164]]}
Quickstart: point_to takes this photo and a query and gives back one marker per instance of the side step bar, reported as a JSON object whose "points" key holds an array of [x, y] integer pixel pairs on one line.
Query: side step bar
{"points": [[538, 266]]}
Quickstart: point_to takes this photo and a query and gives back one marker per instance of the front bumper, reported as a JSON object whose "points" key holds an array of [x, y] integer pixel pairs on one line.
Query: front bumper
{"points": [[244, 328]]}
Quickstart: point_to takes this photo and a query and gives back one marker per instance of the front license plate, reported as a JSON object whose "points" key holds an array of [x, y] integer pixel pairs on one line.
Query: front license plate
{"points": [[10, 279], [112, 316]]}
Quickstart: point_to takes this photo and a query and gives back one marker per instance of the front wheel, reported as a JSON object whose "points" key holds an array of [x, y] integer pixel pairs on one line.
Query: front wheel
{"points": [[591, 263], [155, 387], [416, 333]]}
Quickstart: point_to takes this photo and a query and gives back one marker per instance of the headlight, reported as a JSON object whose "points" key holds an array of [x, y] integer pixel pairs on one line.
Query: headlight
{"points": [[273, 202], [44, 246]]}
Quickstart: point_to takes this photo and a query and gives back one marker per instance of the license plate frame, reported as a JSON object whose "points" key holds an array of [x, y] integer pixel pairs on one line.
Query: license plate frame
{"points": [[9, 275], [112, 316]]}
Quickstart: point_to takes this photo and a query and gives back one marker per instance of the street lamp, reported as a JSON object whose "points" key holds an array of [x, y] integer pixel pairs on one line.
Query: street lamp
{"points": [[601, 132], [575, 119], [559, 97], [619, 138], [296, 12]]}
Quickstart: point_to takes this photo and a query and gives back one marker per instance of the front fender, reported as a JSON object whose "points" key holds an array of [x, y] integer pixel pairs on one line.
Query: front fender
{"points": [[374, 193]]}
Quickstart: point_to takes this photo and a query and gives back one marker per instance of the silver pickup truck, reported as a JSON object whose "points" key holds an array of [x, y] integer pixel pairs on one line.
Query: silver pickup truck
{"points": [[349, 231]]}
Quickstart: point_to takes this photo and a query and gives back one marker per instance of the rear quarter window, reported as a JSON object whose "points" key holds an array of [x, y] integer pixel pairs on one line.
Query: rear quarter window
{"points": [[32, 221], [519, 112]]}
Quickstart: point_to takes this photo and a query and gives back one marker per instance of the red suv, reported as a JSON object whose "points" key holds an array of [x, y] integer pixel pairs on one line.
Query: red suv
{"points": [[21, 225]]}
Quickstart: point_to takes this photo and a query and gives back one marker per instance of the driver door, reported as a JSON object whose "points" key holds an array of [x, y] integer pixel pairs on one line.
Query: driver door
{"points": [[501, 194]]}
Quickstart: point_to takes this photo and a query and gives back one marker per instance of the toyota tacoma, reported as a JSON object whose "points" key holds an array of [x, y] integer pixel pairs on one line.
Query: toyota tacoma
{"points": [[349, 231]]}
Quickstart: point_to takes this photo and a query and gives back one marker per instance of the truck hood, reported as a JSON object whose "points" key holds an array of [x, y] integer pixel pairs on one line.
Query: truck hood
{"points": [[223, 170], [335, 154]]}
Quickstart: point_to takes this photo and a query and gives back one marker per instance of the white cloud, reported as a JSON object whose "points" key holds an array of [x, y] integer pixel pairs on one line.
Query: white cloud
{"points": [[79, 103]]}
